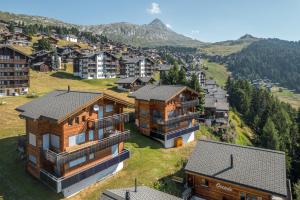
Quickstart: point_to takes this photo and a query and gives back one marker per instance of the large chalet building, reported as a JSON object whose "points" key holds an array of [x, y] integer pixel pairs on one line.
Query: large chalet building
{"points": [[137, 66], [74, 138], [226, 171], [96, 66], [167, 113], [14, 71]]}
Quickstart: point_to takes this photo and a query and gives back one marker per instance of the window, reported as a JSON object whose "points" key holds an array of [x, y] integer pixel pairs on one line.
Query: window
{"points": [[77, 161], [144, 113], [204, 182], [76, 139], [143, 125], [54, 139], [32, 159], [83, 118], [109, 108], [70, 122], [32, 139], [77, 120], [91, 135], [252, 197], [91, 156], [242, 196]]}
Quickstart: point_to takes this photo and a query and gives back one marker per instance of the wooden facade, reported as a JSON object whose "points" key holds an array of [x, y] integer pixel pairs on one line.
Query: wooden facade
{"points": [[14, 71], [48, 142], [158, 118], [215, 189]]}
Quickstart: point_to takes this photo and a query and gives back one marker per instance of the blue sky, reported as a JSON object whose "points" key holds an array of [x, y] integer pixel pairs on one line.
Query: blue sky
{"points": [[205, 20]]}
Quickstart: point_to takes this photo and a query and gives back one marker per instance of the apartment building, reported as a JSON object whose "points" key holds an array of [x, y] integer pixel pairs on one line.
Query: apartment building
{"points": [[96, 66], [14, 71], [74, 138], [136, 66]]}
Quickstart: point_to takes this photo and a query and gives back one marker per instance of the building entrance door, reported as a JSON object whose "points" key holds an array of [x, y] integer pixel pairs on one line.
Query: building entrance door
{"points": [[178, 142]]}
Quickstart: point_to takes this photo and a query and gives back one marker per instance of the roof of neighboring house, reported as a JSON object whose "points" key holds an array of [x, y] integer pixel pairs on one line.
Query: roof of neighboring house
{"points": [[127, 80], [146, 79], [58, 104], [164, 67], [143, 193], [15, 49], [159, 92], [210, 82], [253, 167], [38, 64]]}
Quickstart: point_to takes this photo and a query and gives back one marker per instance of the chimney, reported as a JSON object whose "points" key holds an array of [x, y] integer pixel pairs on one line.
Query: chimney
{"points": [[135, 185], [231, 160], [69, 88], [127, 195]]}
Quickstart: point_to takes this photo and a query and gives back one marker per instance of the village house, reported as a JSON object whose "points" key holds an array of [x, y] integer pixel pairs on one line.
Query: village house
{"points": [[200, 76], [45, 61], [16, 39], [226, 171], [136, 66], [167, 113], [74, 138], [70, 38], [216, 106], [132, 84], [14, 71], [96, 66]]}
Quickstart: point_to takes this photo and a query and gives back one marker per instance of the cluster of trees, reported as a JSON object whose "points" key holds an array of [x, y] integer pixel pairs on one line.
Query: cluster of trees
{"points": [[177, 76], [42, 44], [276, 124], [275, 59]]}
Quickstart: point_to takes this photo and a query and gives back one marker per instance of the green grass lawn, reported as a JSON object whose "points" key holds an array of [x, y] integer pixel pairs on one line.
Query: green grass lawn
{"points": [[217, 72]]}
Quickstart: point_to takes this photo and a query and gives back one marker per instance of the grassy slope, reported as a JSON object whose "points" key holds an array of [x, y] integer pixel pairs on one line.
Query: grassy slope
{"points": [[217, 72], [287, 96]]}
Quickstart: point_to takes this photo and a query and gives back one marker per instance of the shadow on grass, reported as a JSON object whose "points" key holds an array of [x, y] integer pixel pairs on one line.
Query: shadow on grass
{"points": [[141, 141], [15, 182], [64, 75]]}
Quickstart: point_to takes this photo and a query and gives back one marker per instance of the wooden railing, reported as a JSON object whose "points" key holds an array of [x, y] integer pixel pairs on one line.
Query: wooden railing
{"points": [[65, 157], [177, 119], [188, 104], [24, 77], [14, 61], [14, 69], [109, 121]]}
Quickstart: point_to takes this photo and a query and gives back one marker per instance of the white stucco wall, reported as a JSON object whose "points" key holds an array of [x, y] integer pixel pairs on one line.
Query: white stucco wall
{"points": [[186, 138]]}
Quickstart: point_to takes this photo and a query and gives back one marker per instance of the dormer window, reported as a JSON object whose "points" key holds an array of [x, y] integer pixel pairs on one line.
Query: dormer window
{"points": [[70, 122], [77, 120]]}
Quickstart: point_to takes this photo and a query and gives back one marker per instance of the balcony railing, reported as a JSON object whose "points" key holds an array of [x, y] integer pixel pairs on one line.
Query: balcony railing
{"points": [[15, 61], [14, 85], [188, 104], [14, 77], [14, 69], [60, 183], [173, 134], [180, 118], [110, 121], [65, 157]]}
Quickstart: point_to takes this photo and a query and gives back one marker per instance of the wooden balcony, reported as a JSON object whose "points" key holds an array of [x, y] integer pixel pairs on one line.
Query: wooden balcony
{"points": [[181, 118], [109, 121], [175, 133], [188, 104], [59, 183], [13, 61], [86, 148], [14, 78], [15, 85], [14, 69]]}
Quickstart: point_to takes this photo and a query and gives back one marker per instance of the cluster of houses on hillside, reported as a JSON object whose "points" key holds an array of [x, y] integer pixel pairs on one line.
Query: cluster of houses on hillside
{"points": [[78, 139]]}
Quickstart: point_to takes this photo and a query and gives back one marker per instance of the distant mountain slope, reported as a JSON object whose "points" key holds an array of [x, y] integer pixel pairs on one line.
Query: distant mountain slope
{"points": [[228, 47], [153, 34], [275, 59]]}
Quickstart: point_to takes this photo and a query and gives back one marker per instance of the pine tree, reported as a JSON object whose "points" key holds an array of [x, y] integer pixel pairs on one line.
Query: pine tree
{"points": [[182, 77], [297, 190], [194, 83], [269, 138]]}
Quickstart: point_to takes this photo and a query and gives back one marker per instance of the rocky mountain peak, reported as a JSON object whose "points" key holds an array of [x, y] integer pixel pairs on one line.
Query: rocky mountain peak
{"points": [[157, 23]]}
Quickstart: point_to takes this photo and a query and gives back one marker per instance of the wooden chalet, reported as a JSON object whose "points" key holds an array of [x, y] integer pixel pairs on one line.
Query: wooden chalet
{"points": [[222, 171], [14, 71], [74, 138], [167, 113], [132, 84]]}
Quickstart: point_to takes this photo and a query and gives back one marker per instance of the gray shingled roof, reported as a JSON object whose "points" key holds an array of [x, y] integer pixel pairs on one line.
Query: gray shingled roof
{"points": [[127, 80], [56, 105], [143, 193], [254, 167], [159, 92]]}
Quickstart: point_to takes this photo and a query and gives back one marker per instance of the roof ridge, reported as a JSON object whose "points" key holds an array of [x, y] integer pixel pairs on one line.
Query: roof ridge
{"points": [[80, 91], [243, 146]]}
